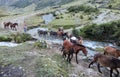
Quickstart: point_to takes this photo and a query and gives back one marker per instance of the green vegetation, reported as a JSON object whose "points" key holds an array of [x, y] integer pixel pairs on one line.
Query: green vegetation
{"points": [[107, 31], [52, 67], [64, 26], [86, 9], [40, 44], [3, 13], [40, 4], [5, 38], [19, 38], [76, 32], [34, 20], [114, 4]]}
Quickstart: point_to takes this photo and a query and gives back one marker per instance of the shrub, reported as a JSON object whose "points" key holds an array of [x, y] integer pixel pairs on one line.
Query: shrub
{"points": [[19, 38], [86, 9], [5, 38], [76, 32], [106, 31], [81, 17]]}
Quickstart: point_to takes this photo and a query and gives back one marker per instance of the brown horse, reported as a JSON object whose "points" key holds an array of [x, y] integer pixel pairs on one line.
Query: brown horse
{"points": [[60, 33], [13, 26], [7, 24], [108, 50], [107, 61], [70, 48]]}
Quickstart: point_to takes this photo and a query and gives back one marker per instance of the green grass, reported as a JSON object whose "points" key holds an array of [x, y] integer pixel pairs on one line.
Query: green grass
{"points": [[115, 3], [40, 62], [52, 67], [63, 22], [34, 20], [76, 2], [69, 21]]}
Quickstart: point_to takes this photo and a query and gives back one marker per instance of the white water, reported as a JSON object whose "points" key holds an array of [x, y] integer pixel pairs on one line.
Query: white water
{"points": [[8, 44]]}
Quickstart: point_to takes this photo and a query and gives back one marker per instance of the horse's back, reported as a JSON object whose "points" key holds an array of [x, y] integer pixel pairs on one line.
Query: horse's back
{"points": [[67, 44], [109, 49], [105, 60]]}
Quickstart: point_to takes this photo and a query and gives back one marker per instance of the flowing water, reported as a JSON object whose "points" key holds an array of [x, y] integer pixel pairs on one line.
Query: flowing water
{"points": [[8, 44], [91, 45]]}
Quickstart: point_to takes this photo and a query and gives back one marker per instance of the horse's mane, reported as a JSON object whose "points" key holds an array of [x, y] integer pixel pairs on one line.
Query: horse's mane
{"points": [[80, 45]]}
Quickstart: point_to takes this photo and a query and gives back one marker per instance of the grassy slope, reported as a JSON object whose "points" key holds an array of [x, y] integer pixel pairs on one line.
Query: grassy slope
{"points": [[35, 61], [115, 3]]}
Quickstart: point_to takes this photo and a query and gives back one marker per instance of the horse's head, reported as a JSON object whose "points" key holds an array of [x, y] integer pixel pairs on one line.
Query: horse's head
{"points": [[85, 51], [79, 47]]}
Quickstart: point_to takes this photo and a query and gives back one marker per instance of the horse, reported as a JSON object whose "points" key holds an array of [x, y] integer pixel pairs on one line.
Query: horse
{"points": [[106, 61], [52, 33], [67, 46], [60, 33], [7, 24], [13, 26], [108, 50], [70, 48]]}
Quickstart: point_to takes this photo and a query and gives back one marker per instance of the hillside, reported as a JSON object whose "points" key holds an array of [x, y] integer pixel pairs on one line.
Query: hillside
{"points": [[20, 5]]}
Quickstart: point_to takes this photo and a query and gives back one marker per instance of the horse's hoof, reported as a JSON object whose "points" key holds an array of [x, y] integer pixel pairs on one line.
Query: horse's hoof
{"points": [[100, 72], [88, 66]]}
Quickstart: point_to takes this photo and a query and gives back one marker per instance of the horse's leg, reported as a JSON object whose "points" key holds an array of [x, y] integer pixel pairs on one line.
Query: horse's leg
{"points": [[76, 58], [111, 71], [90, 64], [105, 52], [117, 72], [4, 26], [71, 56], [64, 54], [98, 65], [68, 58], [15, 28], [71, 52], [11, 27]]}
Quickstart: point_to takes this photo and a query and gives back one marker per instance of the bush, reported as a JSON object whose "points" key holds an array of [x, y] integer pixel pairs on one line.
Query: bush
{"points": [[5, 38], [81, 17], [107, 31], [75, 32], [86, 9], [19, 38]]}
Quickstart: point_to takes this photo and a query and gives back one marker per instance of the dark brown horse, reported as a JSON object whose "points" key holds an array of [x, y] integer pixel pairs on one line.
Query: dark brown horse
{"points": [[53, 33], [7, 24], [69, 48], [13, 26], [108, 50], [42, 32], [107, 61]]}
